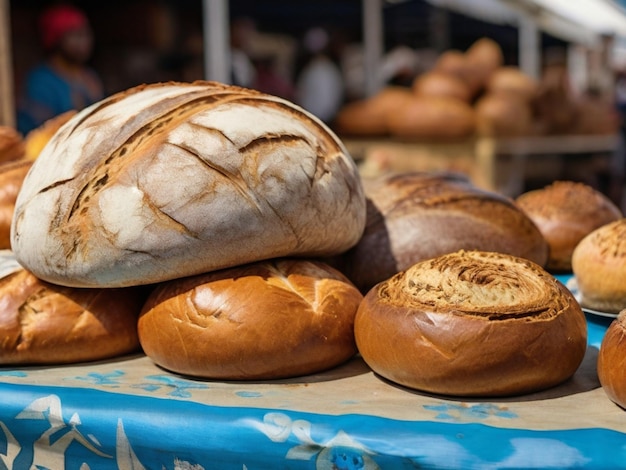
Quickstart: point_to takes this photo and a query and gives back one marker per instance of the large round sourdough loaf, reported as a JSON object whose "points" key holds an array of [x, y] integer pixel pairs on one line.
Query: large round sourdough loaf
{"points": [[472, 324], [415, 216], [175, 179]]}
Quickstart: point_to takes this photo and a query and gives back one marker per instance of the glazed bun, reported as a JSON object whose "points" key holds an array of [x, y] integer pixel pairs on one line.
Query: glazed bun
{"points": [[599, 266], [415, 216], [44, 323], [612, 360], [565, 212], [266, 320], [472, 324], [175, 179], [12, 175]]}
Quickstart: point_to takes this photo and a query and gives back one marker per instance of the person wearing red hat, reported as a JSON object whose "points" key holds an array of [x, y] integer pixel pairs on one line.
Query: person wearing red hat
{"points": [[63, 81]]}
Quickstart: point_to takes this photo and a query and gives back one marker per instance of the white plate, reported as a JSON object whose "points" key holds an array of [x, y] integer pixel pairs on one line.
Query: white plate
{"points": [[573, 288]]}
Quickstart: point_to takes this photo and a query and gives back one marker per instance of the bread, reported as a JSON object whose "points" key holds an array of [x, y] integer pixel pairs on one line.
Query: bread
{"points": [[42, 323], [472, 324], [433, 118], [484, 57], [266, 320], [12, 175], [612, 360], [11, 144], [503, 115], [599, 266], [434, 83], [565, 212], [175, 179], [415, 216], [36, 140], [368, 117], [512, 80]]}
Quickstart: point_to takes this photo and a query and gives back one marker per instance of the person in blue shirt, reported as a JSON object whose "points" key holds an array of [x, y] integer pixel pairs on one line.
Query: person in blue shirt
{"points": [[63, 81]]}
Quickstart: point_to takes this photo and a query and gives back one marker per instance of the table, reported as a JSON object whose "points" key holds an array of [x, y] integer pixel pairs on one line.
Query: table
{"points": [[127, 414], [496, 164]]}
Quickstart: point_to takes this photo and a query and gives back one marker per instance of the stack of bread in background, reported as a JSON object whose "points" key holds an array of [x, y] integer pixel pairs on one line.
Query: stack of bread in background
{"points": [[474, 93], [235, 236]]}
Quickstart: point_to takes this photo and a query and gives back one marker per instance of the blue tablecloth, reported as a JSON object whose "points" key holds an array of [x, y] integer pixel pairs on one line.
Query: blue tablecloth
{"points": [[129, 414]]}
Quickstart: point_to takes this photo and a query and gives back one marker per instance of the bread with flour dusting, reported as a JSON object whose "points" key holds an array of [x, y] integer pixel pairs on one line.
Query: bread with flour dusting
{"points": [[175, 179]]}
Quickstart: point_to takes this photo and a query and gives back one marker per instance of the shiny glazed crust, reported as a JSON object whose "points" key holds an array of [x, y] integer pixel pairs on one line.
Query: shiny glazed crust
{"points": [[472, 324], [612, 361], [565, 213], [264, 320], [42, 323], [599, 265], [176, 179]]}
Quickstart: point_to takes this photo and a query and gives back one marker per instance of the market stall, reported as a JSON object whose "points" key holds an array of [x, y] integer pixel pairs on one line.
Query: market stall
{"points": [[128, 413]]}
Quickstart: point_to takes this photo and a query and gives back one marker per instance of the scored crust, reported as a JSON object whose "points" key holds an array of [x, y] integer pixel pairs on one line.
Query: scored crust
{"points": [[565, 212], [265, 320], [472, 324], [176, 179]]}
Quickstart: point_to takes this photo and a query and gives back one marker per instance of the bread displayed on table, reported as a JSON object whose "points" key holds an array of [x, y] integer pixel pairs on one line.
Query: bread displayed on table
{"points": [[43, 323], [11, 144], [599, 266], [419, 215], [169, 180], [265, 320], [472, 323], [565, 212], [612, 360], [12, 175]]}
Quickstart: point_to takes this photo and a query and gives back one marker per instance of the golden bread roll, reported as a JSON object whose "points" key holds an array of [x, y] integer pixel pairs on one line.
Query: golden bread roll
{"points": [[599, 265], [432, 118], [434, 83], [503, 115], [174, 179], [612, 360], [265, 320], [36, 140], [454, 62], [510, 79], [565, 212], [43, 323], [415, 216], [484, 57], [12, 175], [11, 144], [472, 324], [368, 117]]}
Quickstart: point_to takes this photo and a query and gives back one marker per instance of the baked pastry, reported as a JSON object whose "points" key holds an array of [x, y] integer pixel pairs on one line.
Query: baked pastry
{"points": [[503, 115], [434, 83], [11, 144], [265, 320], [175, 179], [599, 266], [43, 323], [36, 140], [12, 175], [433, 118], [612, 360], [512, 80], [565, 212], [472, 324], [415, 216]]}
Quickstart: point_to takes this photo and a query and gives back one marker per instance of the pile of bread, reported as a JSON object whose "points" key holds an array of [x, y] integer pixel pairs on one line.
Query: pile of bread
{"points": [[474, 93], [229, 235]]}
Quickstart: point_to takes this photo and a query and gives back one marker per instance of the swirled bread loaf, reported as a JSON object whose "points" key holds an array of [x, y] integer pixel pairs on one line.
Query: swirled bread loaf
{"points": [[265, 320], [175, 179], [599, 265], [415, 216], [472, 324], [565, 212]]}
